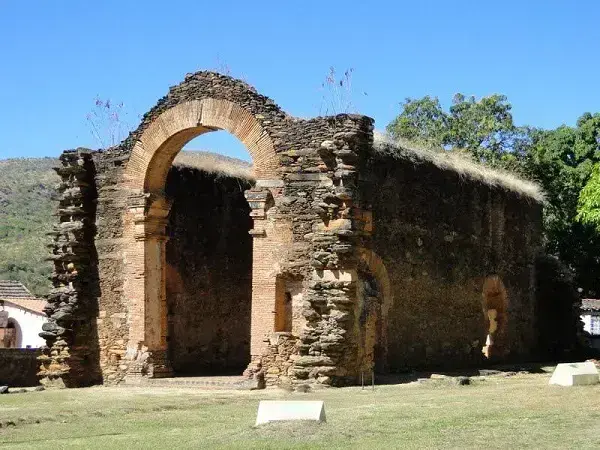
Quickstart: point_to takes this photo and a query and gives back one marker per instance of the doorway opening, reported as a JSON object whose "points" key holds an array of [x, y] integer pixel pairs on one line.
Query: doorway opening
{"points": [[495, 312], [370, 299], [10, 335], [208, 263]]}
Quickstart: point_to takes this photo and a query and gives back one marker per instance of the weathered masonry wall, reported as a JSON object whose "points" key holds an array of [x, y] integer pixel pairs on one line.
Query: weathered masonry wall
{"points": [[338, 260], [113, 317], [440, 236], [19, 367], [321, 195], [71, 356], [301, 207], [209, 280], [304, 227]]}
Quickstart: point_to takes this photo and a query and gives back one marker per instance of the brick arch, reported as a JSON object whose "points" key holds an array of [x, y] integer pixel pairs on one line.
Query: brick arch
{"points": [[18, 337], [166, 135], [301, 165], [378, 270], [204, 102]]}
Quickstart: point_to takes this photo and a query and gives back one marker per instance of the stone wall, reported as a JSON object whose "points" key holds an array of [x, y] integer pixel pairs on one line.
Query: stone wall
{"points": [[321, 180], [439, 236], [209, 282], [373, 260], [71, 356], [558, 312], [305, 222], [113, 313], [19, 367]]}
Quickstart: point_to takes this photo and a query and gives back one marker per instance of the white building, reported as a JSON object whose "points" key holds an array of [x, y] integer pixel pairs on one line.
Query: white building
{"points": [[590, 315], [21, 316]]}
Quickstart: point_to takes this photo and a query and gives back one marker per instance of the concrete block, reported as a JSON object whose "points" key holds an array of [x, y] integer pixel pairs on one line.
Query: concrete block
{"points": [[274, 410], [269, 183], [575, 374]]}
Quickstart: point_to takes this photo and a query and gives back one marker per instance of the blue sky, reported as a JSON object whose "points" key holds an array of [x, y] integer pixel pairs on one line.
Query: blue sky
{"points": [[57, 56]]}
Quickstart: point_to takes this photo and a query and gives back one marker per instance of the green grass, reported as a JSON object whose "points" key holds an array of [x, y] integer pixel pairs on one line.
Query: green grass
{"points": [[514, 412]]}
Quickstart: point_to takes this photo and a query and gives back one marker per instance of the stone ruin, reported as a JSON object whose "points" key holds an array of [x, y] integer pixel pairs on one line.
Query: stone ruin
{"points": [[341, 255]]}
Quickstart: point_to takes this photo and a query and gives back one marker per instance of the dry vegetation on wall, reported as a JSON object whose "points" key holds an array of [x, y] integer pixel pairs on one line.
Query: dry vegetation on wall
{"points": [[216, 164], [459, 163]]}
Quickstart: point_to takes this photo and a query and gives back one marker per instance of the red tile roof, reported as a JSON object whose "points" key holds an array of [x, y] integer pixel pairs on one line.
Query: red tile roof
{"points": [[35, 305]]}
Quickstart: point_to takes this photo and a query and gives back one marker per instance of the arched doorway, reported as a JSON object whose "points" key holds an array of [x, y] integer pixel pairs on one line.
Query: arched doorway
{"points": [[209, 264], [375, 300], [495, 313], [158, 143], [11, 335]]}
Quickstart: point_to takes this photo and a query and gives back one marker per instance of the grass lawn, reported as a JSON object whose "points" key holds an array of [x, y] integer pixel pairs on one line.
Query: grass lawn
{"points": [[521, 411]]}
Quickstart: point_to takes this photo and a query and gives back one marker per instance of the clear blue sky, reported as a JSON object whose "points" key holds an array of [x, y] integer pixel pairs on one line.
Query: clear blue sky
{"points": [[57, 56]]}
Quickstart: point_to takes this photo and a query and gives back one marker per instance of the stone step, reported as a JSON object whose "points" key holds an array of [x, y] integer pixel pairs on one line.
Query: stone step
{"points": [[213, 383]]}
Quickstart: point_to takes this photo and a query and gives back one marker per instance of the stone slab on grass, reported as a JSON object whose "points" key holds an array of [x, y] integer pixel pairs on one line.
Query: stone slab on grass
{"points": [[575, 374], [274, 410]]}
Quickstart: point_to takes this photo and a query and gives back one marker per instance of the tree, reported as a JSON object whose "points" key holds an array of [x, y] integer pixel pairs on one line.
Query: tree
{"points": [[421, 120], [589, 200], [482, 127], [562, 161]]}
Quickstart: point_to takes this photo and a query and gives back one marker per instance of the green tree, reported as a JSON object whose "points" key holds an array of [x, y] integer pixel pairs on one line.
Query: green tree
{"points": [[482, 127], [421, 120], [562, 161], [589, 200]]}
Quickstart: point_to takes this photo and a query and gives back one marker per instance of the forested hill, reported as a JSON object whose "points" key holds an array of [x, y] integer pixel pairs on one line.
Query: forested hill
{"points": [[27, 204]]}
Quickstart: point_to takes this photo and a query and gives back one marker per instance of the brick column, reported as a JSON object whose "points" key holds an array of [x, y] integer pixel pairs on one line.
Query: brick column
{"points": [[146, 260], [264, 279]]}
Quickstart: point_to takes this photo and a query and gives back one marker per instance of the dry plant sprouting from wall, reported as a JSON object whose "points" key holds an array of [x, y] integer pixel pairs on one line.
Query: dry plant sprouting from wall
{"points": [[222, 67], [107, 122], [337, 93], [458, 163]]}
